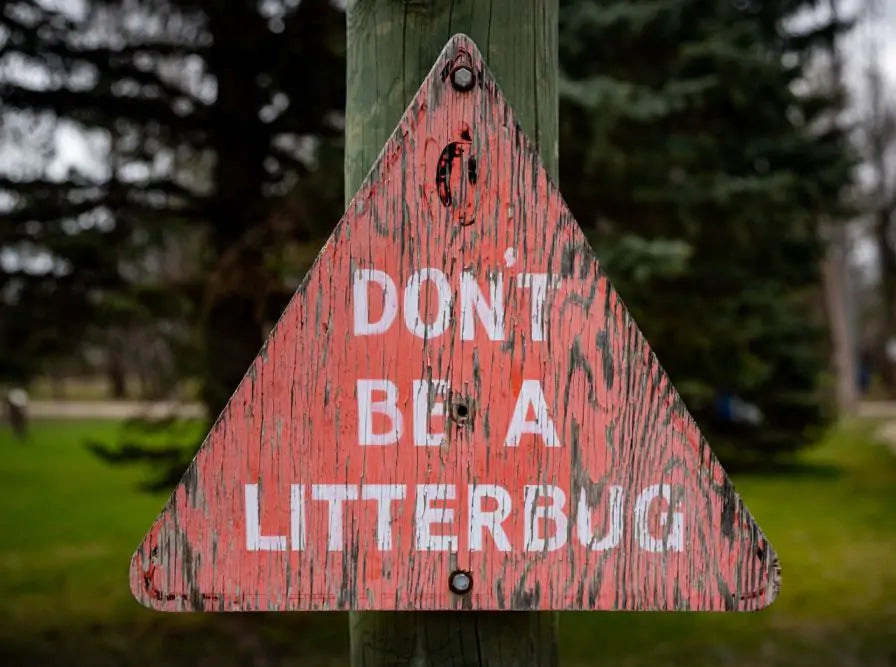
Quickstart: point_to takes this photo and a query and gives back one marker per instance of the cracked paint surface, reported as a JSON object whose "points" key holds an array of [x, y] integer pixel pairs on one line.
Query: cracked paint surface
{"points": [[541, 449]]}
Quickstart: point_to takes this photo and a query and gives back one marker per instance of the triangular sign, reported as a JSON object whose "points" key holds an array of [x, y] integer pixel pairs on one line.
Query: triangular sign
{"points": [[455, 411]]}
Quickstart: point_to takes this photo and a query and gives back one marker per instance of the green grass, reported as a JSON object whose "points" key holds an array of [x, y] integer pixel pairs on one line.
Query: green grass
{"points": [[69, 522], [67, 519], [832, 519]]}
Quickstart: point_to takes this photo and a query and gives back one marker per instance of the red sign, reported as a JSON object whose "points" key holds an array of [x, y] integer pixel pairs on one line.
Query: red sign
{"points": [[455, 411]]}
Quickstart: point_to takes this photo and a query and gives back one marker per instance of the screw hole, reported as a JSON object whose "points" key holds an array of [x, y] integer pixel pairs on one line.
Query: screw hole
{"points": [[460, 412]]}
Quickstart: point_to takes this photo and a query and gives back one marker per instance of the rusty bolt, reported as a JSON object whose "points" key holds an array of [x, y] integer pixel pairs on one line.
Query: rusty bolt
{"points": [[460, 582], [462, 78]]}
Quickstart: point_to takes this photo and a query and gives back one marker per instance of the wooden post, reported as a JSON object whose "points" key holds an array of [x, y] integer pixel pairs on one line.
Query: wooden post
{"points": [[392, 44]]}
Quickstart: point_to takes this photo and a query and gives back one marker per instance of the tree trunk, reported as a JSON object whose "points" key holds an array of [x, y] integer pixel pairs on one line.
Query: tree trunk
{"points": [[392, 44], [838, 303], [885, 364], [232, 322], [116, 373]]}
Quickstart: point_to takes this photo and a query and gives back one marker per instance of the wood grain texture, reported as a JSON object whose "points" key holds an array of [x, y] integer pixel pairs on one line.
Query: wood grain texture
{"points": [[652, 521], [392, 45], [453, 639]]}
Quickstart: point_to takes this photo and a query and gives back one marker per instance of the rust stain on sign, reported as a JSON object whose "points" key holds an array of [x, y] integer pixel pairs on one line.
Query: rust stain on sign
{"points": [[455, 411]]}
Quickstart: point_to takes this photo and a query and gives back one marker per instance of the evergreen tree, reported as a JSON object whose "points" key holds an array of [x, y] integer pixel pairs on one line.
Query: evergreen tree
{"points": [[211, 120], [696, 169], [697, 172]]}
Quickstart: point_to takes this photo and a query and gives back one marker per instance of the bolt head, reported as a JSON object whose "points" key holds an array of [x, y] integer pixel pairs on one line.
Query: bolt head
{"points": [[460, 582], [462, 78]]}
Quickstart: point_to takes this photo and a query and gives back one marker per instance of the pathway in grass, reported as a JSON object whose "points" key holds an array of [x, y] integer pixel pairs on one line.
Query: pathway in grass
{"points": [[69, 522]]}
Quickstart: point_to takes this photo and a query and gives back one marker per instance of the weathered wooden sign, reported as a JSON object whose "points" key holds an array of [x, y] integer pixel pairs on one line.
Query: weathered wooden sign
{"points": [[455, 411]]}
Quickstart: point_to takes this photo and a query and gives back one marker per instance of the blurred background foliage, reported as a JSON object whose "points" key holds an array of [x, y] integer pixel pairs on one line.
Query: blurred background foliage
{"points": [[702, 178], [169, 170], [694, 154]]}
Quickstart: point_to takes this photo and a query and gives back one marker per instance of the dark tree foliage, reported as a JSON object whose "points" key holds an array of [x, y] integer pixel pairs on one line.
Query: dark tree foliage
{"points": [[697, 171], [219, 125], [216, 117], [701, 178]]}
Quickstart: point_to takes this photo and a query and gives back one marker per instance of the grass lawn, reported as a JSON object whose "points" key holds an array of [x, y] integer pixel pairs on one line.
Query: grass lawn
{"points": [[69, 523]]}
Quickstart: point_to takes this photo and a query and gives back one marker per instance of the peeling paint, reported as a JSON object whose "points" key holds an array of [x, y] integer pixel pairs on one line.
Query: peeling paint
{"points": [[457, 188]]}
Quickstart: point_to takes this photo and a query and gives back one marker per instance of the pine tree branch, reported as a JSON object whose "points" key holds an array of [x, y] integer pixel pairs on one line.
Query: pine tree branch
{"points": [[42, 188], [94, 107]]}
